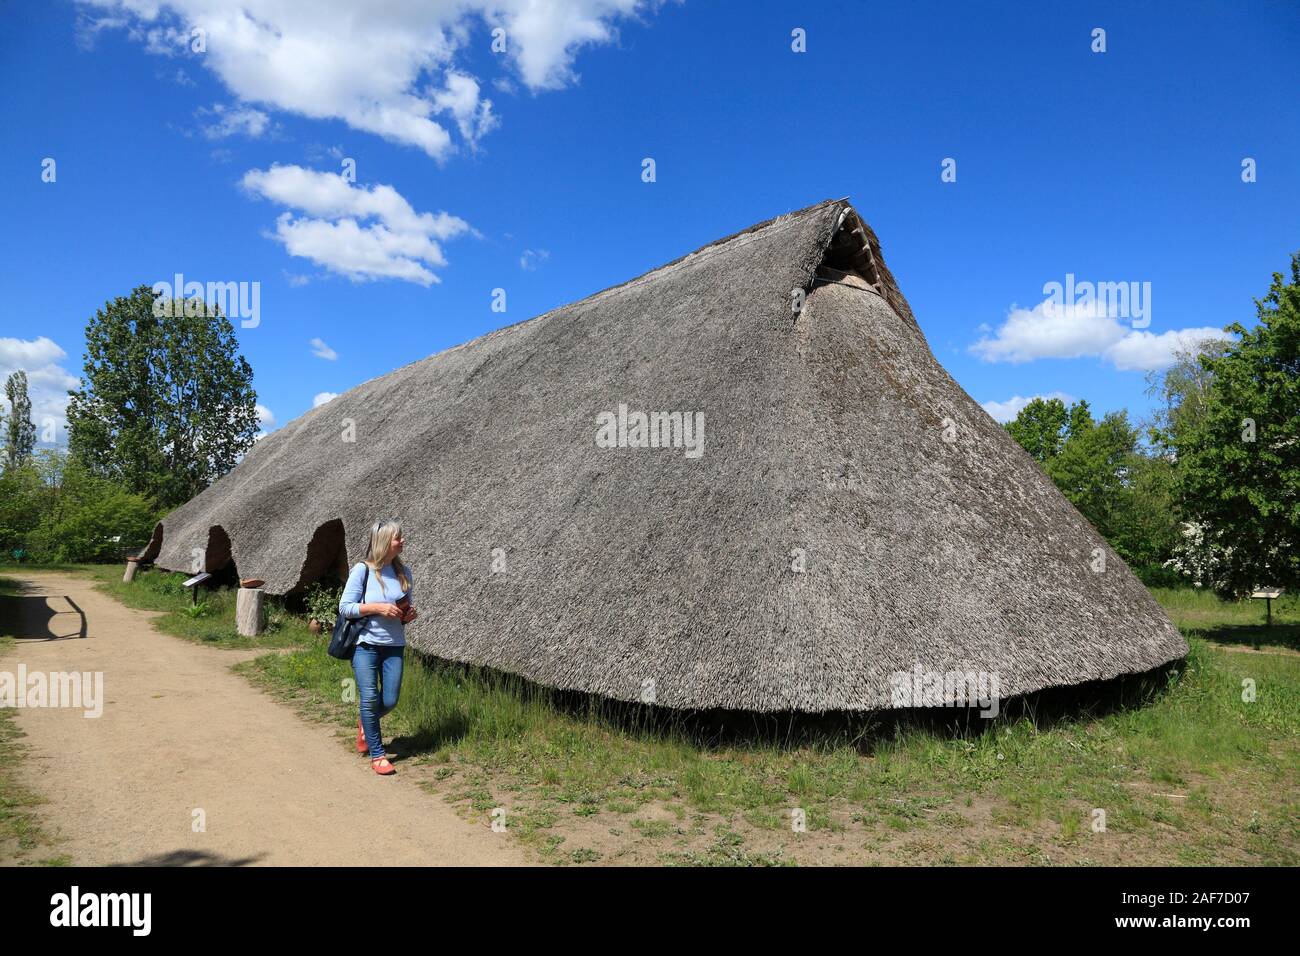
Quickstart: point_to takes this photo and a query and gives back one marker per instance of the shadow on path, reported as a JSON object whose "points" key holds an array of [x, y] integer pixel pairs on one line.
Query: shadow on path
{"points": [[192, 858], [32, 618]]}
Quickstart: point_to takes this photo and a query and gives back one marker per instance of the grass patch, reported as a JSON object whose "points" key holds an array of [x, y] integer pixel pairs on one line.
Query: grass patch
{"points": [[212, 623], [1183, 768], [1139, 757], [1201, 614], [727, 849]]}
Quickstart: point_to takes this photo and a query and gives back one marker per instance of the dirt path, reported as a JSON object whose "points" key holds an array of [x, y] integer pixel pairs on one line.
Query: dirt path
{"points": [[180, 732]]}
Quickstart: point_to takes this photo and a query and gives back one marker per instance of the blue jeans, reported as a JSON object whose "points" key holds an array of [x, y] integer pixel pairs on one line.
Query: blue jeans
{"points": [[373, 664]]}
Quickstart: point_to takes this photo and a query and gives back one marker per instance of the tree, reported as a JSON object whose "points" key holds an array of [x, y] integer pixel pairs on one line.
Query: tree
{"points": [[1040, 428], [1149, 530], [82, 516], [1100, 468], [54, 509], [20, 433], [1092, 467], [167, 404], [1182, 388], [1239, 458], [22, 503]]}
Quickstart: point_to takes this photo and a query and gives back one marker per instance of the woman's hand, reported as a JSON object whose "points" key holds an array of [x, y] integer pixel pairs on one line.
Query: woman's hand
{"points": [[409, 616], [383, 610]]}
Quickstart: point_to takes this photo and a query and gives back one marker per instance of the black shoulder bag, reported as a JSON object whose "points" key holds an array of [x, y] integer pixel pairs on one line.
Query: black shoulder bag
{"points": [[343, 640]]}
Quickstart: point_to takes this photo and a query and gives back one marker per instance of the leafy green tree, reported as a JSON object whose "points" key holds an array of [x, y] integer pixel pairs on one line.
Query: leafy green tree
{"points": [[1145, 528], [22, 500], [1100, 467], [1239, 458], [85, 517], [1093, 465], [1040, 428], [1182, 389], [167, 403], [20, 433]]}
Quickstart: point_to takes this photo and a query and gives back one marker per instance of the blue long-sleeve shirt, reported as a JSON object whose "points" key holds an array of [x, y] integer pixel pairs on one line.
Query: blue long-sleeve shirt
{"points": [[382, 588]]}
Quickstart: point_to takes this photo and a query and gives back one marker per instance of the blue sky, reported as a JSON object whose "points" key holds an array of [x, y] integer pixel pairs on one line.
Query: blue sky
{"points": [[521, 169]]}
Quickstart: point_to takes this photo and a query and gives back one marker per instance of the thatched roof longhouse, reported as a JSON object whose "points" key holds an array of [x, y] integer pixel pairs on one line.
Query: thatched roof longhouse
{"points": [[825, 446]]}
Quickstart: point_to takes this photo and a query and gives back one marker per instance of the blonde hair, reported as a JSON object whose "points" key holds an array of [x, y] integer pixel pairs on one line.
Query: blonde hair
{"points": [[382, 534]]}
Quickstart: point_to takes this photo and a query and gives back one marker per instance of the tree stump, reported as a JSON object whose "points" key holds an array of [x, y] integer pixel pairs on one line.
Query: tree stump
{"points": [[249, 611], [132, 565]]}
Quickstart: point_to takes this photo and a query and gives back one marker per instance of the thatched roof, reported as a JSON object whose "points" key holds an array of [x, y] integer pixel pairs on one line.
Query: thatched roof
{"points": [[824, 432]]}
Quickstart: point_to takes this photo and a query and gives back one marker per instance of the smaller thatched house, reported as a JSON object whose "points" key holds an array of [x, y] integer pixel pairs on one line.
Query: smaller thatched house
{"points": [[740, 480]]}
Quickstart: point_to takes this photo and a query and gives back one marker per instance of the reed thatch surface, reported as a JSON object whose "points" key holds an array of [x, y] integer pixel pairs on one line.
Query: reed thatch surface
{"points": [[603, 569]]}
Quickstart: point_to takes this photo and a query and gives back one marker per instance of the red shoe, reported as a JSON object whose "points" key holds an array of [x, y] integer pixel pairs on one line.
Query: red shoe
{"points": [[381, 766], [362, 746]]}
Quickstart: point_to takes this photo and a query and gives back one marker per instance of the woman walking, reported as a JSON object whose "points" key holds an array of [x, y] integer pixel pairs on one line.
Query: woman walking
{"points": [[379, 590]]}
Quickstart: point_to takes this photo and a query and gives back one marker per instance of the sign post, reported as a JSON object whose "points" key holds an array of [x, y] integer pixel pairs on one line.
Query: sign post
{"points": [[193, 584], [1267, 594]]}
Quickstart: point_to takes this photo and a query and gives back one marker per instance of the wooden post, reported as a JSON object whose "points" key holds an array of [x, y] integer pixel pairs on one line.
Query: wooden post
{"points": [[1266, 594], [132, 565], [249, 616]]}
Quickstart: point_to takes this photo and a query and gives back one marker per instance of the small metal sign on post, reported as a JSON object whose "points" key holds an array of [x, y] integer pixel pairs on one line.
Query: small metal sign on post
{"points": [[193, 584], [1267, 594]]}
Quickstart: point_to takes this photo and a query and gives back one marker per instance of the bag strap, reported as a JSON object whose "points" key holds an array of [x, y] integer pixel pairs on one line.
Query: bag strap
{"points": [[365, 584]]}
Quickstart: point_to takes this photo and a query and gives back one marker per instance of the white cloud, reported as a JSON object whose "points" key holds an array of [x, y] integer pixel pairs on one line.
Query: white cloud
{"points": [[330, 196], [1055, 330], [397, 243], [1142, 351], [265, 421], [1050, 330], [86, 32], [230, 121], [323, 351], [543, 37], [47, 382], [460, 98], [532, 258], [323, 397], [30, 353], [1005, 411], [383, 68]]}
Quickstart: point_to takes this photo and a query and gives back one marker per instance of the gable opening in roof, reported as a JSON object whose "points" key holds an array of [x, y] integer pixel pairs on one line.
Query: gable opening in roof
{"points": [[853, 258], [850, 253]]}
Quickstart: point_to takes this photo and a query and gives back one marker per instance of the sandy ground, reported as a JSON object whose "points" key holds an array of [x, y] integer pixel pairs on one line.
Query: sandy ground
{"points": [[181, 732]]}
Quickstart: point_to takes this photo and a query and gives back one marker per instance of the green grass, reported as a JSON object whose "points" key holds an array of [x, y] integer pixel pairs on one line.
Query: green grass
{"points": [[1179, 760], [1201, 614], [22, 838], [1185, 770], [212, 623]]}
